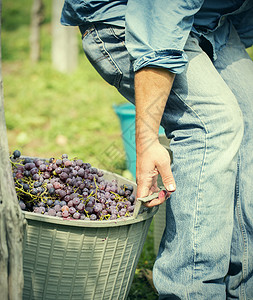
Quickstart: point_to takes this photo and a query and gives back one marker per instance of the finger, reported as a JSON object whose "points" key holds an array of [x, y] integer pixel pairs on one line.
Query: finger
{"points": [[162, 196], [168, 179], [142, 190]]}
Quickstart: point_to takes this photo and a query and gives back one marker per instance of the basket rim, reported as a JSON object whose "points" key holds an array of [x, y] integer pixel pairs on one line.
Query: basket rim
{"points": [[149, 213]]}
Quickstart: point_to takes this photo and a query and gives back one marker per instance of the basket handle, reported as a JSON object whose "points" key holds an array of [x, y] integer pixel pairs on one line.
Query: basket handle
{"points": [[142, 200]]}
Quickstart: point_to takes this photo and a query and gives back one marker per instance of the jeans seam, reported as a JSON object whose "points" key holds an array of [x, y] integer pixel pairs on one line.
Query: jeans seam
{"points": [[109, 57], [243, 232], [115, 35], [201, 174]]}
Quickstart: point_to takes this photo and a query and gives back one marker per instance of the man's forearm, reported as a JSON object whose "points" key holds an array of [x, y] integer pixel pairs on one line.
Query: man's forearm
{"points": [[152, 88]]}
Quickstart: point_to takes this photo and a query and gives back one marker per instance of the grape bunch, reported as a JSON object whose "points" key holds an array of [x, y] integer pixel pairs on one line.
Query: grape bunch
{"points": [[70, 189]]}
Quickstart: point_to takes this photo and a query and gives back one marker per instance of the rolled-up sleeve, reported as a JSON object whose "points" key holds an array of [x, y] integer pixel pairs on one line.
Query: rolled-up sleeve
{"points": [[157, 30]]}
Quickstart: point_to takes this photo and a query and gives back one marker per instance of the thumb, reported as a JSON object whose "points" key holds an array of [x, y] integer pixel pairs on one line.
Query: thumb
{"points": [[168, 179]]}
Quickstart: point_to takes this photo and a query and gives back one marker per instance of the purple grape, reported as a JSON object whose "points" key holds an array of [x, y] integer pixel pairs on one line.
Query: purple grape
{"points": [[72, 210], [63, 203], [58, 162], [58, 170], [22, 205], [70, 203], [80, 207], [16, 154], [51, 212], [76, 201], [61, 193], [26, 187], [46, 175], [65, 214], [34, 171], [89, 209], [51, 191], [57, 207], [97, 207], [42, 167], [113, 217], [76, 215], [93, 217], [59, 214], [67, 163], [131, 198], [37, 183], [122, 212], [49, 202]]}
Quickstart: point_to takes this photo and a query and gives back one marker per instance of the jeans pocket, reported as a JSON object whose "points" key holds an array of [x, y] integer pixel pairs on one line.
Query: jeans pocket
{"points": [[118, 32], [98, 45]]}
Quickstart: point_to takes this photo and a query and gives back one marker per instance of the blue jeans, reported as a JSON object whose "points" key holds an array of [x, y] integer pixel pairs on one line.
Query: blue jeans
{"points": [[207, 247]]}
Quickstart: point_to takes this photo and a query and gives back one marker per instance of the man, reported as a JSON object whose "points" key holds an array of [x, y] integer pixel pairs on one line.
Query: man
{"points": [[183, 63]]}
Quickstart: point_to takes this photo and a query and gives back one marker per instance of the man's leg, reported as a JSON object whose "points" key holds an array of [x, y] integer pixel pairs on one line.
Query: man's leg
{"points": [[205, 125], [236, 68], [204, 121]]}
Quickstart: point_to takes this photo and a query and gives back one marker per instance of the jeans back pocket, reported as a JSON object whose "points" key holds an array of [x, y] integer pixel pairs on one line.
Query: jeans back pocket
{"points": [[99, 44]]}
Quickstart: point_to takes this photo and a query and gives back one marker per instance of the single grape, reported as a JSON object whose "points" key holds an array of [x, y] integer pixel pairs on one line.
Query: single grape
{"points": [[16, 154], [59, 214], [56, 185], [19, 175], [56, 202], [51, 191], [61, 193], [37, 183], [76, 201], [65, 214], [80, 207], [46, 175], [89, 209], [22, 205], [27, 160], [26, 187], [42, 167], [97, 208], [65, 207], [122, 212], [113, 217], [58, 170], [72, 210], [34, 191], [58, 162], [93, 217], [70, 203], [51, 212], [57, 207], [76, 215], [49, 202], [131, 198]]}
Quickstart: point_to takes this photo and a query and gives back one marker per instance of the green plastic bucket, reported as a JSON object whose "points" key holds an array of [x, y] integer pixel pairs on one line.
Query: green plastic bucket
{"points": [[79, 259], [126, 114]]}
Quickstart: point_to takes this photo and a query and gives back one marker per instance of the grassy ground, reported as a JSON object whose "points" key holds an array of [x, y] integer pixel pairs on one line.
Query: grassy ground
{"points": [[49, 113]]}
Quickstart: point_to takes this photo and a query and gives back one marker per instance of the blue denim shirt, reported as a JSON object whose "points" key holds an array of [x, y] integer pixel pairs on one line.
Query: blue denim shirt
{"points": [[157, 30]]}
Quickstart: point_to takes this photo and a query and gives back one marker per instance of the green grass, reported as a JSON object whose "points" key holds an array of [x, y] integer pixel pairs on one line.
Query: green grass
{"points": [[49, 113]]}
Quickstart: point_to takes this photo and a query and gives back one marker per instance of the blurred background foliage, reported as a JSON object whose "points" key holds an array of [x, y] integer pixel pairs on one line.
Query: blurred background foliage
{"points": [[47, 112]]}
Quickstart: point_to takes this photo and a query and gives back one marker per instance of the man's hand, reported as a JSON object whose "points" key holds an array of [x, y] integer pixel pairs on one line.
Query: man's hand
{"points": [[153, 161], [152, 88]]}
